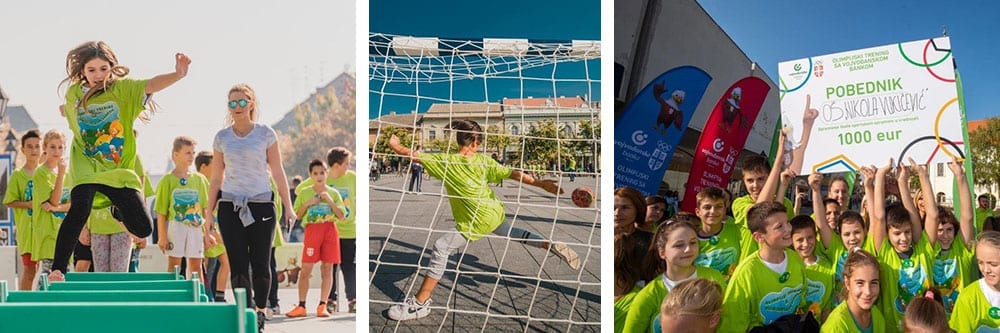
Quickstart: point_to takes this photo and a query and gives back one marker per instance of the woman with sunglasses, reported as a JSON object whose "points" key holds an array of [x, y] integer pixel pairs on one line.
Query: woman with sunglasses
{"points": [[244, 152], [101, 108]]}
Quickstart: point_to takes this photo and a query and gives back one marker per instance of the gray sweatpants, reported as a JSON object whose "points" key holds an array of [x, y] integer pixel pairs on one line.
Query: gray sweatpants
{"points": [[450, 242]]}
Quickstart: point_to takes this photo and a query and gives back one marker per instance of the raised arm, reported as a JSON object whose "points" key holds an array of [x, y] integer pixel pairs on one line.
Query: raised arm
{"points": [[546, 184], [771, 184], [965, 203], [787, 178], [930, 205], [903, 182], [405, 152], [819, 209], [876, 226], [163, 81]]}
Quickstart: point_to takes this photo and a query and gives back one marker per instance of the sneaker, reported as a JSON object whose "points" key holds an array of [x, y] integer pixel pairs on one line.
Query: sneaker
{"points": [[410, 309], [298, 311], [566, 254], [353, 306], [331, 306], [273, 311], [321, 311], [260, 322]]}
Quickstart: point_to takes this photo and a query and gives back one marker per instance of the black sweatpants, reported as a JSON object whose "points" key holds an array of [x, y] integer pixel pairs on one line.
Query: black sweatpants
{"points": [[348, 249], [249, 247], [130, 205]]}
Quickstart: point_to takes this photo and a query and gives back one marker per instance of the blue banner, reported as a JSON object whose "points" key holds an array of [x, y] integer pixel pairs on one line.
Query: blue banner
{"points": [[648, 131]]}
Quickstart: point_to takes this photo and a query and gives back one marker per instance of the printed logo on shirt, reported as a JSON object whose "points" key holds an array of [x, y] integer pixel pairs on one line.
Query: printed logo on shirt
{"points": [[187, 208], [780, 303], [814, 295], [319, 213], [102, 132], [62, 199], [28, 190], [345, 195], [912, 280], [945, 271], [718, 259]]}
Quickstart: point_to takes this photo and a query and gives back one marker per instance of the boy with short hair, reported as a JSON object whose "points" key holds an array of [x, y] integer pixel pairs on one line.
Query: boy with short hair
{"points": [[344, 180], [319, 207], [216, 260], [181, 197], [761, 182], [718, 241], [819, 271], [770, 283], [18, 197]]}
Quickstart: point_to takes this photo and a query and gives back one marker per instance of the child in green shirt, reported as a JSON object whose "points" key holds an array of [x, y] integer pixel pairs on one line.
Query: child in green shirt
{"points": [[952, 239], [904, 253], [858, 313], [819, 271], [762, 182], [675, 247], [771, 282], [101, 108], [49, 200], [181, 198], [718, 242], [978, 306], [693, 306], [476, 209], [19, 197], [626, 277]]}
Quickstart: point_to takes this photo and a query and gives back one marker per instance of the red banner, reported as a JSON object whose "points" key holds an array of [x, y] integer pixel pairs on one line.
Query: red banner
{"points": [[723, 137]]}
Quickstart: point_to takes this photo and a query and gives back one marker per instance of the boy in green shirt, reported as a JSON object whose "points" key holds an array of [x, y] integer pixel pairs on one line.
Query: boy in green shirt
{"points": [[181, 198], [18, 197], [344, 180], [819, 271], [476, 209], [762, 184], [904, 254], [982, 210], [718, 242], [952, 240], [771, 282], [319, 207]]}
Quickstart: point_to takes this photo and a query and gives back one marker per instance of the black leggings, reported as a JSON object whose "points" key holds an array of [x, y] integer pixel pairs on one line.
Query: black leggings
{"points": [[249, 247], [130, 205], [348, 248]]}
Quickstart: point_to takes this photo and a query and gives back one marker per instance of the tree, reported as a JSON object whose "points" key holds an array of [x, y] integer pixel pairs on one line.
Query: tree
{"points": [[986, 154], [498, 139], [589, 143], [322, 122], [540, 144]]}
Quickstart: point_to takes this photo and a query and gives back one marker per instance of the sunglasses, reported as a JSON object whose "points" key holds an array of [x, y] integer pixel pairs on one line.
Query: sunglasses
{"points": [[241, 103]]}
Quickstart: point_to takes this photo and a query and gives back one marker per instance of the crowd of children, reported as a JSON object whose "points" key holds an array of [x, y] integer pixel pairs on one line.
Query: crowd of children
{"points": [[752, 263], [92, 205]]}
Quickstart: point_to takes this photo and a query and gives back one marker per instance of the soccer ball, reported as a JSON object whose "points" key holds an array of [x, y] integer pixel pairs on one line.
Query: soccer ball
{"points": [[583, 197]]}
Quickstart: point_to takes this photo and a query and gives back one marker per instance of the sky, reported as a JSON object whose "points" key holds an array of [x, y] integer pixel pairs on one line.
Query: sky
{"points": [[773, 31], [538, 21], [284, 51]]}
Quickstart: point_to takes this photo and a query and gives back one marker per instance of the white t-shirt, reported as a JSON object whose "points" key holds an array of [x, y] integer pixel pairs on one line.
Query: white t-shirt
{"points": [[780, 267], [246, 159]]}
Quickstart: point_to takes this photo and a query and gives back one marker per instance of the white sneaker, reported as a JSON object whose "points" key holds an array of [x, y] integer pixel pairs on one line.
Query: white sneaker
{"points": [[410, 309], [566, 254]]}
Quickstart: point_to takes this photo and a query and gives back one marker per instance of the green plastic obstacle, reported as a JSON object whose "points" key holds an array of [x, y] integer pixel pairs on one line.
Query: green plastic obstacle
{"points": [[121, 276], [63, 310]]}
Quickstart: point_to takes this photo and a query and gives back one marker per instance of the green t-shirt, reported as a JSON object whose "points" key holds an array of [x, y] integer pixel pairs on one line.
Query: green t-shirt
{"points": [[757, 295], [973, 312], [103, 146], [819, 294], [904, 279], [952, 271], [842, 321], [741, 206], [476, 209], [320, 212], [645, 308], [981, 215], [19, 188], [837, 251], [622, 305], [346, 185], [720, 251], [101, 222], [45, 225], [182, 200]]}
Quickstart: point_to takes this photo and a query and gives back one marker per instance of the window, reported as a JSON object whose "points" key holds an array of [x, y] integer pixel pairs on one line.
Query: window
{"points": [[940, 168], [432, 134], [514, 130]]}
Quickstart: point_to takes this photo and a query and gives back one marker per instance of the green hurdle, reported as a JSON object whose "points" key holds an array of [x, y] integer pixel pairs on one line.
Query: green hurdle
{"points": [[121, 276], [63, 310], [192, 287]]}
